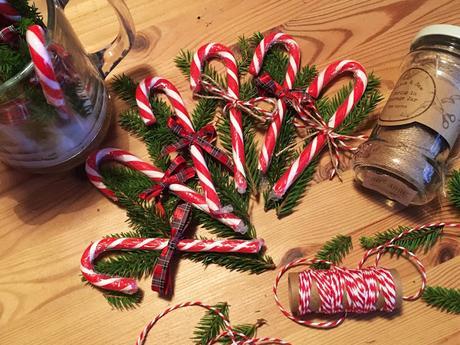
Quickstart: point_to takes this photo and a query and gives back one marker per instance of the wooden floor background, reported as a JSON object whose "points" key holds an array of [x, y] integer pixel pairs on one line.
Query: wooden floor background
{"points": [[47, 221]]}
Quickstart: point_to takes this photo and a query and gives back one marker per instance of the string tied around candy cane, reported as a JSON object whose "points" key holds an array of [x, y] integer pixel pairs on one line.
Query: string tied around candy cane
{"points": [[217, 50], [235, 337], [339, 290], [203, 138], [185, 193], [177, 172], [129, 285], [326, 132]]}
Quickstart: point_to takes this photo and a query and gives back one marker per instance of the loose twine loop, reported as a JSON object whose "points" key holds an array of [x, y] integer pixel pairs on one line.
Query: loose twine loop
{"points": [[235, 337]]}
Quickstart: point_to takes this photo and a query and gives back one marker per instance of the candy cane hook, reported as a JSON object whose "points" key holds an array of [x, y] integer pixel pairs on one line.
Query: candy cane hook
{"points": [[320, 140], [274, 129], [159, 84], [153, 173], [217, 50]]}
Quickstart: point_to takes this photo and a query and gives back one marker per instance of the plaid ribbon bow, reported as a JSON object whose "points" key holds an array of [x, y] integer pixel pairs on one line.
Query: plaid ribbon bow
{"points": [[306, 109], [250, 106], [180, 221], [202, 138], [177, 172]]}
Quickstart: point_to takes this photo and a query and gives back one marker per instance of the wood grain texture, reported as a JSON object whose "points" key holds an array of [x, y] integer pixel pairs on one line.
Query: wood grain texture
{"points": [[47, 221]]}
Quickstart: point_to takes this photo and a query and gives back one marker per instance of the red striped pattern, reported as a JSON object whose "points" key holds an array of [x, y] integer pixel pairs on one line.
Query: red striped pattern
{"points": [[182, 191], [236, 338], [319, 141], [158, 84], [273, 130], [128, 285], [217, 50]]}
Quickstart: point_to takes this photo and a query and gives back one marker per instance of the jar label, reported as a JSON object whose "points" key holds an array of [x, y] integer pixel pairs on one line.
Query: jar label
{"points": [[421, 96], [389, 186]]}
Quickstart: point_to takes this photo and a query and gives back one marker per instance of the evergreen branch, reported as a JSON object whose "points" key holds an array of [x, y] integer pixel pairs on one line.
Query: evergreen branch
{"points": [[183, 61], [210, 325], [204, 112], [445, 299], [28, 11], [125, 88], [334, 251], [247, 329], [252, 263], [453, 188], [423, 238]]}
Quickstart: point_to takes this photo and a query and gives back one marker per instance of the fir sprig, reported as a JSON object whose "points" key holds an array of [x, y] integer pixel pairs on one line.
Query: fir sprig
{"points": [[422, 239], [445, 299], [125, 88], [453, 188], [210, 325], [334, 251]]}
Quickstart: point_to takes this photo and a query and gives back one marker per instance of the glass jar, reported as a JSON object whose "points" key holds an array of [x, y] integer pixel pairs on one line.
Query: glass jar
{"points": [[406, 154], [38, 137]]}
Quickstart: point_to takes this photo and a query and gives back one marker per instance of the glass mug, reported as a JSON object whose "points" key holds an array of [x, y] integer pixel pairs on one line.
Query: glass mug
{"points": [[37, 137]]}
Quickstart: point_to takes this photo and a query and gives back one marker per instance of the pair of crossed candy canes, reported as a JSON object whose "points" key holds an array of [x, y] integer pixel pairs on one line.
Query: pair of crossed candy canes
{"points": [[157, 176], [325, 134]]}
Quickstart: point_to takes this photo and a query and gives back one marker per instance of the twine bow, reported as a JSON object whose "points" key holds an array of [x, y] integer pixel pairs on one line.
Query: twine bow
{"points": [[250, 106], [304, 104], [177, 172], [202, 138], [180, 221]]}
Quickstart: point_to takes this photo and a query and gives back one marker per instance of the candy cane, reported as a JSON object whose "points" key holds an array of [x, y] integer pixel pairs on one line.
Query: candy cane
{"points": [[293, 67], [319, 141], [146, 113], [217, 50], [8, 11], [128, 285], [155, 174], [36, 40]]}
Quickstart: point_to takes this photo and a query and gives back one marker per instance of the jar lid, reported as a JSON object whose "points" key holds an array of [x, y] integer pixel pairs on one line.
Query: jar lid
{"points": [[438, 33]]}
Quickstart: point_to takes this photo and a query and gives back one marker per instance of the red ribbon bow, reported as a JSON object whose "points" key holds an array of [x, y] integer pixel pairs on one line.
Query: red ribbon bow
{"points": [[202, 138], [177, 172], [180, 221]]}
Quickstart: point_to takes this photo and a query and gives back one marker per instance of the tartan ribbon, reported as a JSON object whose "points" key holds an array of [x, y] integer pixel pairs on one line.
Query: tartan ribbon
{"points": [[180, 221], [202, 138], [177, 172], [250, 106], [304, 104]]}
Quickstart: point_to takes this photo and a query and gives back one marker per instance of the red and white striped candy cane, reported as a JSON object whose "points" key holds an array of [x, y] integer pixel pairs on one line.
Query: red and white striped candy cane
{"points": [[293, 67], [236, 337], [36, 40], [217, 50], [146, 113], [319, 141], [155, 174], [128, 285], [9, 12]]}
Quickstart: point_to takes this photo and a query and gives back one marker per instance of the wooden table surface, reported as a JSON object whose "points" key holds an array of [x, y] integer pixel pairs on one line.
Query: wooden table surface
{"points": [[47, 221]]}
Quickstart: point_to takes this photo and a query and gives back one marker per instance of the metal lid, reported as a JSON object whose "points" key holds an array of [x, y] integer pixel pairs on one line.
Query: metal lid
{"points": [[438, 30], [440, 34]]}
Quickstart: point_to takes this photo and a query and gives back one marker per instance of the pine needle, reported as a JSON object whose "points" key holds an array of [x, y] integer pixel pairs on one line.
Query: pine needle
{"points": [[125, 88], [420, 239], [210, 325], [445, 299], [453, 188], [334, 251]]}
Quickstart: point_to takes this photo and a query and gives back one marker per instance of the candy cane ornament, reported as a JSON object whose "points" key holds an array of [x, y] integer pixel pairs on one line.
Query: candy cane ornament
{"points": [[157, 84], [217, 50], [153, 173], [128, 285], [36, 40], [274, 129], [9, 12], [325, 133]]}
